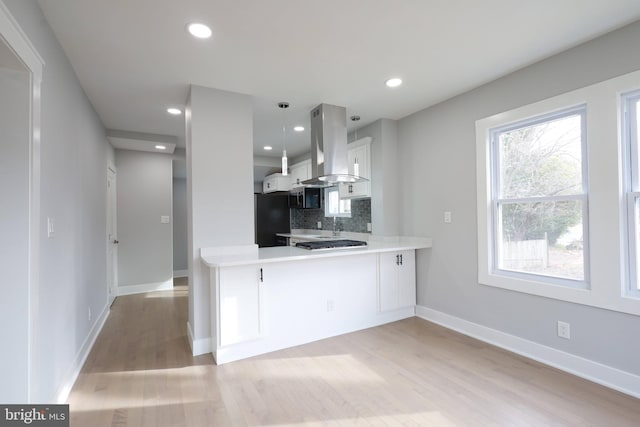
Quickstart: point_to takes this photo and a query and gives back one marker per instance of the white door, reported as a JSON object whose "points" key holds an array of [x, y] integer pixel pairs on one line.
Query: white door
{"points": [[112, 236]]}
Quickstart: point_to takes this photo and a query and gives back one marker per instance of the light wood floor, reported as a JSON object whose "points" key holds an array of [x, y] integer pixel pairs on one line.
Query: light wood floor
{"points": [[412, 372]]}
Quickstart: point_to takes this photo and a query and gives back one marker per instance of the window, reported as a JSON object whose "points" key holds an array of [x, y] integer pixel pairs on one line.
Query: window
{"points": [[631, 127], [333, 206], [548, 225], [539, 198]]}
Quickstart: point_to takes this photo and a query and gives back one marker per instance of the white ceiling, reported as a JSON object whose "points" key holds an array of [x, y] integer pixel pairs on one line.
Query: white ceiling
{"points": [[142, 141], [134, 58]]}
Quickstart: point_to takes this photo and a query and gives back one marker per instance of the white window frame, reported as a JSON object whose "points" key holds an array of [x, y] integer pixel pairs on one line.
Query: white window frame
{"points": [[497, 200], [608, 270], [341, 213], [631, 147]]}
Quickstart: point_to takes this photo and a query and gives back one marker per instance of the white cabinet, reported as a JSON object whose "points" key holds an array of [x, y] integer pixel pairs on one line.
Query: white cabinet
{"points": [[359, 158], [396, 280], [276, 182], [300, 172], [240, 304]]}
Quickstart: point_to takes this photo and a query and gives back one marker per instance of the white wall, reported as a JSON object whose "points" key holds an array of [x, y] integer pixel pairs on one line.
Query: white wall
{"points": [[180, 251], [74, 156], [14, 229], [437, 155], [145, 252], [219, 131]]}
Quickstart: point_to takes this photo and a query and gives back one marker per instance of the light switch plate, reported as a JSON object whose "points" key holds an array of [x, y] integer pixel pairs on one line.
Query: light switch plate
{"points": [[51, 230], [164, 219], [447, 217], [368, 226]]}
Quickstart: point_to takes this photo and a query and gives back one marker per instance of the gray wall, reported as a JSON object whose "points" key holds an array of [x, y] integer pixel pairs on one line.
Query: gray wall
{"points": [[14, 229], [437, 158], [180, 251], [145, 253], [74, 155], [385, 182]]}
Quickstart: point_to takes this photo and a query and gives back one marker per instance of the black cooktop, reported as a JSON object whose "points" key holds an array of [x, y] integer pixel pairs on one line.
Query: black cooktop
{"points": [[331, 244]]}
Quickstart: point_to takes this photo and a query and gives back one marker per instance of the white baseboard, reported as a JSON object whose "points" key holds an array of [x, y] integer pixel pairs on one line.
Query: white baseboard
{"points": [[607, 376], [145, 287], [180, 273], [199, 346], [62, 394]]}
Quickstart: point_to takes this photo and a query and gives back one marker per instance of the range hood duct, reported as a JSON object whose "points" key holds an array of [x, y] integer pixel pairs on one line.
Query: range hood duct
{"points": [[329, 164]]}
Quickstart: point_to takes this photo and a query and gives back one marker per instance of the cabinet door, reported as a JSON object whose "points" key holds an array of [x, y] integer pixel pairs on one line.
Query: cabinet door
{"points": [[360, 156], [300, 172], [240, 304], [297, 175], [269, 185], [388, 281], [407, 279], [276, 182]]}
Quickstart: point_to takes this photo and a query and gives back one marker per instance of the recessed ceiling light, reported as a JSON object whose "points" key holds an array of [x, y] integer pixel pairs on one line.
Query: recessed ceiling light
{"points": [[299, 128], [174, 111], [161, 147], [198, 30], [393, 82], [268, 147]]}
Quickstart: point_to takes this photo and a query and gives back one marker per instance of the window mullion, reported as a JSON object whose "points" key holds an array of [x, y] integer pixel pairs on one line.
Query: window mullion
{"points": [[582, 197]]}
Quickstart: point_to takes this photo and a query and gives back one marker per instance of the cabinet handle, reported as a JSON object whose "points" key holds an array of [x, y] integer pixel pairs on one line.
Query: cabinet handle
{"points": [[261, 276], [268, 185], [350, 188], [400, 259], [397, 259]]}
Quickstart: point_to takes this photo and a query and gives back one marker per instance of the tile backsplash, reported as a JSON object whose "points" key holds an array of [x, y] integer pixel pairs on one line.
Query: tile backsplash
{"points": [[360, 216]]}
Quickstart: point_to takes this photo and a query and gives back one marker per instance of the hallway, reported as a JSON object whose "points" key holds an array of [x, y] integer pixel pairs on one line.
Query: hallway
{"points": [[140, 370], [141, 373]]}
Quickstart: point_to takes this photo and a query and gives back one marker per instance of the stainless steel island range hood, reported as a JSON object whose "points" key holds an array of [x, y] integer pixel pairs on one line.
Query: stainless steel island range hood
{"points": [[329, 165]]}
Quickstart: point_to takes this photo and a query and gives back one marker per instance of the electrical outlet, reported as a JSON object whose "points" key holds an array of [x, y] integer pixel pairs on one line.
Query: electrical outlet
{"points": [[564, 330], [447, 217], [368, 226], [89, 314], [330, 306], [319, 225]]}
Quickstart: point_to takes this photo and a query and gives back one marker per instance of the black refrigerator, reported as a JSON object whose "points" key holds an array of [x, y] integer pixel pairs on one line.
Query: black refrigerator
{"points": [[271, 216]]}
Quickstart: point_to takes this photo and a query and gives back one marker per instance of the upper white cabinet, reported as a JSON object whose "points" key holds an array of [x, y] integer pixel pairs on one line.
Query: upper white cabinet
{"points": [[276, 182], [396, 280], [359, 158], [300, 172]]}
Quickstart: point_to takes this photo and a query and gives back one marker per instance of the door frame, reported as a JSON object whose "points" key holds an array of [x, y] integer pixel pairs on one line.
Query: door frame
{"points": [[112, 215], [13, 36]]}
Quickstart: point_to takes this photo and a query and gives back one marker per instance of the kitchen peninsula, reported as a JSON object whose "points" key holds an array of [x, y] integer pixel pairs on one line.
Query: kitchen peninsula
{"points": [[267, 299]]}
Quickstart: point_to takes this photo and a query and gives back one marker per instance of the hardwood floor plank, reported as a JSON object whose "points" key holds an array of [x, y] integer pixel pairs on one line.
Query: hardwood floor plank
{"points": [[410, 373]]}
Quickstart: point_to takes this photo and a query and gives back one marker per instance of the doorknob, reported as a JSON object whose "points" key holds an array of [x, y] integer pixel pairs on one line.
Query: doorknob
{"points": [[115, 242]]}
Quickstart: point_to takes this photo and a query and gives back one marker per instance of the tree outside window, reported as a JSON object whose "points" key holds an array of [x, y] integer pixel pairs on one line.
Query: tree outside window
{"points": [[539, 196]]}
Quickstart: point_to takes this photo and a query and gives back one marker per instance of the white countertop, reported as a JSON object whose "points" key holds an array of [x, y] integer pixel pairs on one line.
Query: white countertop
{"points": [[218, 257]]}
